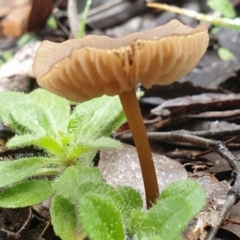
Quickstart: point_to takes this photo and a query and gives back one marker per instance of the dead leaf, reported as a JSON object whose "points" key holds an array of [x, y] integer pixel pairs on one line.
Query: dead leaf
{"points": [[216, 194], [18, 17], [198, 103], [232, 222]]}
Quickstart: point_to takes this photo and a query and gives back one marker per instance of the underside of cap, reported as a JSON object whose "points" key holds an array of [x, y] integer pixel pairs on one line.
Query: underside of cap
{"points": [[81, 69]]}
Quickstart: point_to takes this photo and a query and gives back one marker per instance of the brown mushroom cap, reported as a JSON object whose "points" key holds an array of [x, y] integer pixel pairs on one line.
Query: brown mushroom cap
{"points": [[81, 69]]}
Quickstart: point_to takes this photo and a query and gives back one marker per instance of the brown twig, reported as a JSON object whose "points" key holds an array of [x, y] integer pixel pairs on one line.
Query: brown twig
{"points": [[73, 17], [210, 150]]}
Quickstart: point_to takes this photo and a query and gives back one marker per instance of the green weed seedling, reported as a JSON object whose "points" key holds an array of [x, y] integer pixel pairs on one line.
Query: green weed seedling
{"points": [[82, 203]]}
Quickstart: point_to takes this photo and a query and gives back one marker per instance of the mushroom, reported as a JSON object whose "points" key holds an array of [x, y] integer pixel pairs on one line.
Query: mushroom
{"points": [[82, 69]]}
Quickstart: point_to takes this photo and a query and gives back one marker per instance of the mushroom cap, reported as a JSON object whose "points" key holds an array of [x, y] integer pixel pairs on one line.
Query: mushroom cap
{"points": [[81, 69]]}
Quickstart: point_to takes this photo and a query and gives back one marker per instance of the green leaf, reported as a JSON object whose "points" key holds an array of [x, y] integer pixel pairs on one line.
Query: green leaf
{"points": [[178, 203], [131, 197], [87, 157], [132, 201], [26, 38], [225, 54], [101, 143], [51, 22], [96, 118], [179, 238], [101, 218], [75, 182], [46, 142], [154, 238], [92, 120], [135, 220], [17, 170], [102, 189], [223, 6], [157, 237], [65, 222], [190, 190], [76, 151], [166, 219], [26, 194], [89, 144], [67, 184], [56, 108], [21, 140], [52, 145], [32, 117], [5, 56], [8, 102]]}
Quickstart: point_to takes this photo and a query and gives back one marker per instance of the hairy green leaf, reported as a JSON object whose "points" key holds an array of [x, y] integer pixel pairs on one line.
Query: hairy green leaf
{"points": [[101, 143], [190, 190], [85, 145], [46, 142], [33, 117], [135, 221], [96, 118], [87, 157], [131, 197], [26, 194], [56, 108], [179, 238], [166, 219], [76, 150], [67, 184], [157, 237], [74, 184], [22, 140], [52, 145], [65, 222], [40, 112], [102, 189], [101, 218], [132, 201], [178, 203], [8, 102], [17, 170]]}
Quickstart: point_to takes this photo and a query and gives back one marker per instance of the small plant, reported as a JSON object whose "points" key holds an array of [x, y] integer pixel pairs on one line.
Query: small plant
{"points": [[43, 120], [82, 203]]}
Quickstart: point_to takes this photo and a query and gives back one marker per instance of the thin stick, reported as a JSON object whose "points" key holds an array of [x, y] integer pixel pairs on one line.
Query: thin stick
{"points": [[131, 108], [218, 21]]}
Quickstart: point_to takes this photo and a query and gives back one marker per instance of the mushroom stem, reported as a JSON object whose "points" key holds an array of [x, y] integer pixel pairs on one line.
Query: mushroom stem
{"points": [[132, 111]]}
